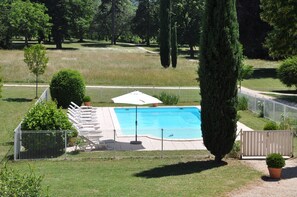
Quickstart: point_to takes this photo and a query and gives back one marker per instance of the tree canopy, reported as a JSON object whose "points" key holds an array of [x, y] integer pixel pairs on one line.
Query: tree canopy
{"points": [[282, 16]]}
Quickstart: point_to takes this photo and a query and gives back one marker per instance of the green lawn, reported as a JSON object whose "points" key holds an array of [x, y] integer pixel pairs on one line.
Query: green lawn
{"points": [[14, 104], [252, 120], [141, 177]]}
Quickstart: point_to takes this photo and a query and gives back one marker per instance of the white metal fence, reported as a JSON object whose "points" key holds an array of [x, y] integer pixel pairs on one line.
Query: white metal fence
{"points": [[262, 143], [45, 96], [270, 109]]}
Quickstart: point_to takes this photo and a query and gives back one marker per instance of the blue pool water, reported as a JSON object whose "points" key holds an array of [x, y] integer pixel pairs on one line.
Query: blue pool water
{"points": [[176, 122]]}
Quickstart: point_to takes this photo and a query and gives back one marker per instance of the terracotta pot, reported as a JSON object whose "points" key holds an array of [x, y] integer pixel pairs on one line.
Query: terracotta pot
{"points": [[155, 104], [275, 173], [87, 103]]}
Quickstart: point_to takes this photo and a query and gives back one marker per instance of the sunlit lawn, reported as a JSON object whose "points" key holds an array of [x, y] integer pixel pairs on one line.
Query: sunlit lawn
{"points": [[141, 177]]}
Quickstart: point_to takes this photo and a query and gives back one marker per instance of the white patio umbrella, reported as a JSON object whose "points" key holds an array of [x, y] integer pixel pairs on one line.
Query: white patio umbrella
{"points": [[136, 98]]}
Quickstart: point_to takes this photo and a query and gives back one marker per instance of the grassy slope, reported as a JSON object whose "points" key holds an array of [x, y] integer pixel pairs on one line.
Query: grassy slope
{"points": [[13, 105], [103, 65], [145, 177]]}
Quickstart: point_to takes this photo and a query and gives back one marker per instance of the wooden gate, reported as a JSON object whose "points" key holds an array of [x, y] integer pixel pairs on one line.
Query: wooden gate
{"points": [[259, 144]]}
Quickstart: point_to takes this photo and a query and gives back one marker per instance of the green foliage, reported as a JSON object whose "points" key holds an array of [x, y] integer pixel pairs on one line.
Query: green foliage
{"points": [[282, 16], [271, 125], [28, 19], [287, 72], [124, 13], [242, 103], [66, 86], [86, 99], [174, 47], [15, 183], [235, 152], [188, 16], [245, 72], [80, 16], [44, 117], [5, 28], [145, 22], [275, 160], [36, 60], [220, 59], [165, 32], [168, 99]]}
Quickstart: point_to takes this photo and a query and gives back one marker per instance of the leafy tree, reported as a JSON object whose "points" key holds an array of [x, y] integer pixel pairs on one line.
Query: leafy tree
{"points": [[165, 32], [174, 47], [5, 28], [252, 30], [145, 22], [28, 19], [245, 72], [36, 60], [124, 12], [188, 15], [282, 16], [80, 15], [287, 72], [220, 58]]}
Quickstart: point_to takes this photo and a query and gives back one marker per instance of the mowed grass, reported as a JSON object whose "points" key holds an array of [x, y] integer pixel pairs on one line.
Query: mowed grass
{"points": [[103, 65], [252, 120], [141, 177], [15, 102]]}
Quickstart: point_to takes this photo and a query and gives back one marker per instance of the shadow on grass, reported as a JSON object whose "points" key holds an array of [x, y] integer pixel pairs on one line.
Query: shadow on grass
{"points": [[63, 49], [180, 169], [96, 45], [18, 100], [264, 73], [286, 91]]}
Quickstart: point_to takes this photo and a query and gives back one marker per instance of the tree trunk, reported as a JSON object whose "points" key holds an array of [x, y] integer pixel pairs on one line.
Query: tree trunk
{"points": [[26, 41], [36, 87], [192, 54]]}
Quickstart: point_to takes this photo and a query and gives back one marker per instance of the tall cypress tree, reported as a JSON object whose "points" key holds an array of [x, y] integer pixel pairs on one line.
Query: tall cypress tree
{"points": [[174, 46], [165, 31], [220, 57]]}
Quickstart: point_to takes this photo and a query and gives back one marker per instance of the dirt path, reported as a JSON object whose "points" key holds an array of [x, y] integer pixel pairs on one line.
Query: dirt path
{"points": [[286, 187]]}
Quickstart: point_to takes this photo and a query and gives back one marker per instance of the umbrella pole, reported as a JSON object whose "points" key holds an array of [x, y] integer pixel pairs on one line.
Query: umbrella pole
{"points": [[135, 142], [136, 125]]}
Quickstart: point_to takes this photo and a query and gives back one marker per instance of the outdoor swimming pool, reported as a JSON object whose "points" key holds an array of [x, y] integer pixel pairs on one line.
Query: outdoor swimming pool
{"points": [[176, 122]]}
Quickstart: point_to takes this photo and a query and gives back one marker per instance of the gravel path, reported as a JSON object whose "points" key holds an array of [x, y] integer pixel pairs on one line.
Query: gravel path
{"points": [[286, 187]]}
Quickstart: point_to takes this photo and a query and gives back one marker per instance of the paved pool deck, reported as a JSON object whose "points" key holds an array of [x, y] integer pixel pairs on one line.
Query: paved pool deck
{"points": [[115, 141]]}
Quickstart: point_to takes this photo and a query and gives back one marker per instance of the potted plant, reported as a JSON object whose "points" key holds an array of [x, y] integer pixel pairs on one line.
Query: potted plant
{"points": [[275, 163], [87, 100]]}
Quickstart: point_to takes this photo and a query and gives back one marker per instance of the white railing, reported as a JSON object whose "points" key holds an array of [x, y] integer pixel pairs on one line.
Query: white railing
{"points": [[45, 96]]}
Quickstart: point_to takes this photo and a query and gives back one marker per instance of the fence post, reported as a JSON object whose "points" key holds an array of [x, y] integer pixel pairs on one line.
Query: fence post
{"points": [[65, 135], [162, 144]]}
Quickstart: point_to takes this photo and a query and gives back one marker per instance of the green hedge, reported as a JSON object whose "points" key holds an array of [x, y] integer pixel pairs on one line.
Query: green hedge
{"points": [[66, 86]]}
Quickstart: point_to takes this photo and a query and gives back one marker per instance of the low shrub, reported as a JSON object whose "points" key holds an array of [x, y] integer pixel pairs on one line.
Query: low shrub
{"points": [[168, 99], [45, 116], [14, 183], [270, 126], [66, 86], [287, 72], [235, 152], [242, 103], [86, 99], [275, 160]]}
